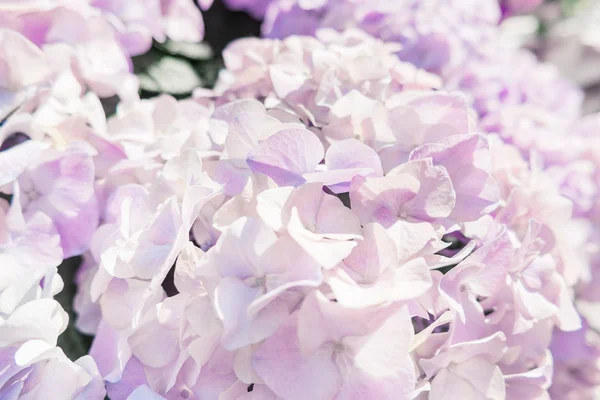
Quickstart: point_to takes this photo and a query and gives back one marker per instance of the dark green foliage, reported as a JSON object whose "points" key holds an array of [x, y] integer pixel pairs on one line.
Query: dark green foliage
{"points": [[74, 343]]}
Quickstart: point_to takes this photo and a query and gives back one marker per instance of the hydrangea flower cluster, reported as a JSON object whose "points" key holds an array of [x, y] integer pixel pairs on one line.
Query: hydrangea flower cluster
{"points": [[258, 8], [337, 219], [542, 187], [97, 38]]}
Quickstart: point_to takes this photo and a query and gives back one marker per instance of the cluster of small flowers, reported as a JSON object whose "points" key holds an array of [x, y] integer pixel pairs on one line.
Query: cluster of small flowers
{"points": [[329, 222], [97, 38], [422, 27], [258, 8], [56, 58], [543, 189]]}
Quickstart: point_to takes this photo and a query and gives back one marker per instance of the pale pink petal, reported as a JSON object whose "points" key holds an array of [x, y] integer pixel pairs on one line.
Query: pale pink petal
{"points": [[240, 248], [232, 299], [289, 373], [286, 155], [436, 197]]}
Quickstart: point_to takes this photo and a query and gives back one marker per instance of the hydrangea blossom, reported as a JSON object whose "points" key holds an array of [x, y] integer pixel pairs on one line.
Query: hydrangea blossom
{"points": [[460, 41], [276, 253], [258, 8], [55, 156], [332, 221], [96, 38], [33, 367], [531, 108]]}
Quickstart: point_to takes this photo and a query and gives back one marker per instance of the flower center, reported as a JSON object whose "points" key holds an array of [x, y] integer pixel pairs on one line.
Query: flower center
{"points": [[339, 347], [256, 282], [28, 192]]}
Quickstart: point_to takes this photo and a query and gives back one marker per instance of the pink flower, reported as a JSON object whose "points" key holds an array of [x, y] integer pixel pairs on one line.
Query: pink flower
{"points": [[326, 351], [61, 185], [411, 201], [140, 22], [466, 159], [318, 222], [330, 221], [31, 251], [15, 84], [33, 366], [375, 274], [187, 333], [258, 285], [468, 368]]}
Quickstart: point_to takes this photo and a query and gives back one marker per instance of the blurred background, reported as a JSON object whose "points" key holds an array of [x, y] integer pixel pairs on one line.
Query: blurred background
{"points": [[567, 34]]}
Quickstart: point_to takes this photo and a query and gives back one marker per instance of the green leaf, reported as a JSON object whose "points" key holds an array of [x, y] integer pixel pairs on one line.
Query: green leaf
{"points": [[173, 75], [209, 71], [163, 73], [192, 51]]}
